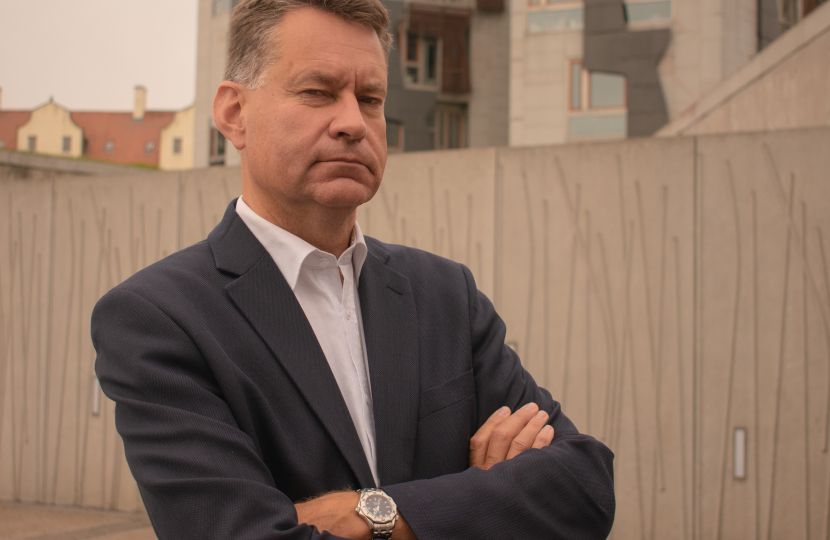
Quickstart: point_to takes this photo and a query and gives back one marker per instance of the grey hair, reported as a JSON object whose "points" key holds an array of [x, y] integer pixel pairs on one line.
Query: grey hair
{"points": [[254, 25]]}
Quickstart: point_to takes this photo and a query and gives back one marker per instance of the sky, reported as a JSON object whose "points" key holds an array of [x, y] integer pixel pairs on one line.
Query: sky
{"points": [[90, 54]]}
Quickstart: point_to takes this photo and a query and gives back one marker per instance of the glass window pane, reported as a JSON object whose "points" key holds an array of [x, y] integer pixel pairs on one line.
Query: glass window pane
{"points": [[392, 133], [607, 90], [576, 86], [431, 58], [453, 135], [607, 124], [561, 19], [648, 11], [411, 46], [412, 74]]}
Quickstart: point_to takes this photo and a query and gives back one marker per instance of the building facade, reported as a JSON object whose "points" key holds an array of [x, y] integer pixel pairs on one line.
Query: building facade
{"points": [[478, 73], [158, 139]]}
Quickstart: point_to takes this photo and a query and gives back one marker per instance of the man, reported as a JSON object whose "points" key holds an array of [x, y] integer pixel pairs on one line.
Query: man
{"points": [[264, 374]]}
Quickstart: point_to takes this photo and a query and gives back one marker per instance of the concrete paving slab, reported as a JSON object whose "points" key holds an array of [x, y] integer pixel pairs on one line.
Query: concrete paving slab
{"points": [[22, 521]]}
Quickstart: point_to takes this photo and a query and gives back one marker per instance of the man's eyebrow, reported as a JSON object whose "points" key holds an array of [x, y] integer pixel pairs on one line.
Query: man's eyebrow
{"points": [[317, 76], [327, 79], [373, 88]]}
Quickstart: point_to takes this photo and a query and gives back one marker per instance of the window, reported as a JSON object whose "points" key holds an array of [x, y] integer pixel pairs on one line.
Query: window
{"points": [[597, 102], [638, 11], [32, 143], [554, 15], [421, 60], [394, 135], [177, 145], [109, 146], [217, 147], [2, 144], [67, 145], [149, 147], [448, 126]]}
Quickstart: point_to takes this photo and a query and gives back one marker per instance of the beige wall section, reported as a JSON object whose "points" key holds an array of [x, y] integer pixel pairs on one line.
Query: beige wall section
{"points": [[667, 291], [182, 128], [441, 202], [784, 86], [539, 80], [590, 287], [488, 113], [50, 123], [210, 72]]}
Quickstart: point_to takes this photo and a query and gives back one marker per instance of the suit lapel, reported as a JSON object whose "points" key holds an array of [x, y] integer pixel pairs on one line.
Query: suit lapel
{"points": [[391, 329], [269, 304]]}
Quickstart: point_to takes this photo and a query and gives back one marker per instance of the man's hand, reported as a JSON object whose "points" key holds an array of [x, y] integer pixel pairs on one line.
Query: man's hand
{"points": [[335, 513], [504, 436]]}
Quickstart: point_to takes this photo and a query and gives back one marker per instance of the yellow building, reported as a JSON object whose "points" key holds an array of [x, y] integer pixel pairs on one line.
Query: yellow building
{"points": [[176, 145], [50, 130]]}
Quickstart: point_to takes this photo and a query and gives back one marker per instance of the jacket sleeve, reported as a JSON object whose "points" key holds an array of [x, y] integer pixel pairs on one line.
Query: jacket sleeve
{"points": [[563, 491], [200, 476]]}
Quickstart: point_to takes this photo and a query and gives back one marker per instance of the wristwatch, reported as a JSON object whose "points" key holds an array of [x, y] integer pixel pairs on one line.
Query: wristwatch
{"points": [[379, 511]]}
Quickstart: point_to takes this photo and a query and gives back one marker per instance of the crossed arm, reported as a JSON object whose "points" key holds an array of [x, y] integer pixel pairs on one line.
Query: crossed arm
{"points": [[502, 437]]}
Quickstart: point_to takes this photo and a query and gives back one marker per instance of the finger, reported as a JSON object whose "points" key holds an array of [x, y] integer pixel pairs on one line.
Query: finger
{"points": [[481, 439], [527, 435], [544, 438], [503, 435]]}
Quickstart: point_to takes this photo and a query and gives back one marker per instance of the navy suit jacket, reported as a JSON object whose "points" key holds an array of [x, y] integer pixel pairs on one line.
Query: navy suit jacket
{"points": [[229, 411]]}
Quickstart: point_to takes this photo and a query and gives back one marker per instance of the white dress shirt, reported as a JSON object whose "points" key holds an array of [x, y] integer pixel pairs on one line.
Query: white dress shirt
{"points": [[332, 308]]}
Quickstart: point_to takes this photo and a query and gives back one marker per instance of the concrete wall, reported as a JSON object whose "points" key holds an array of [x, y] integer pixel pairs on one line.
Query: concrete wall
{"points": [[50, 124], [181, 127], [25, 165], [667, 291], [783, 87]]}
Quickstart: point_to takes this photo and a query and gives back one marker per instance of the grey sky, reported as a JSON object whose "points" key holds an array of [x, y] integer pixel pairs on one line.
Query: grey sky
{"points": [[90, 54]]}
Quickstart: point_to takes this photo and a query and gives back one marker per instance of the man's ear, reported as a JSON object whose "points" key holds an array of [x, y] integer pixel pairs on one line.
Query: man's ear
{"points": [[227, 112]]}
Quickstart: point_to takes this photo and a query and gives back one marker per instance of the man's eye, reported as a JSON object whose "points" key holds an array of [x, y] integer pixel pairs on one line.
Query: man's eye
{"points": [[370, 101], [313, 92]]}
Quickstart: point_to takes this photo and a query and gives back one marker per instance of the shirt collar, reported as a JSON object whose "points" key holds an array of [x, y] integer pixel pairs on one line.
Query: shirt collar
{"points": [[290, 252]]}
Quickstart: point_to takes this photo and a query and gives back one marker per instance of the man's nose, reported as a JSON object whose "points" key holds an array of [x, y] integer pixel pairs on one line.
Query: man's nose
{"points": [[348, 120]]}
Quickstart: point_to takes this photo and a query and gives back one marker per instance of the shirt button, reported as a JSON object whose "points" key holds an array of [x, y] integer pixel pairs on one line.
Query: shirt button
{"points": [[348, 314]]}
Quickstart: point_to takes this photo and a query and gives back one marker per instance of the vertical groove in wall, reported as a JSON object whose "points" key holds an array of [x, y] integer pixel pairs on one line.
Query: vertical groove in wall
{"points": [[733, 352], [498, 229], [779, 389], [26, 297], [827, 338], [681, 394], [588, 359], [546, 293], [571, 293], [697, 317], [48, 353], [806, 372], [756, 367], [531, 269], [82, 335], [611, 345], [179, 210], [6, 336], [65, 367]]}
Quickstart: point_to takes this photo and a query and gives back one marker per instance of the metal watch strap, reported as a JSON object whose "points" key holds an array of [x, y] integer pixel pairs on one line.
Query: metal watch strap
{"points": [[382, 531]]}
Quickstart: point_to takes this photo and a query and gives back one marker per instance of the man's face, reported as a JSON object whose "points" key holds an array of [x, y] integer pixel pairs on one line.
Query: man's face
{"points": [[315, 133]]}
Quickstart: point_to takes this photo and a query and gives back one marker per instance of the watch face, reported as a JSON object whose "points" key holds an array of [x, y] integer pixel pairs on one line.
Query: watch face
{"points": [[378, 508]]}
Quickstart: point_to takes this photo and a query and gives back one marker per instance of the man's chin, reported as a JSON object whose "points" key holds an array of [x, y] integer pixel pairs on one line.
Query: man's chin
{"points": [[344, 193]]}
